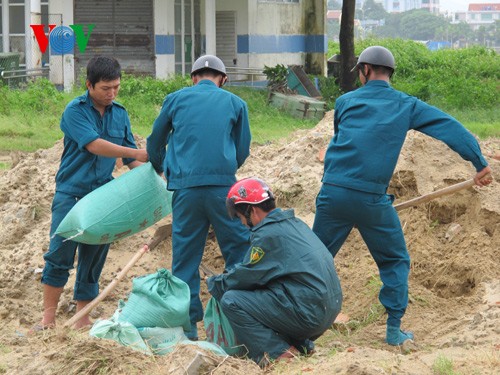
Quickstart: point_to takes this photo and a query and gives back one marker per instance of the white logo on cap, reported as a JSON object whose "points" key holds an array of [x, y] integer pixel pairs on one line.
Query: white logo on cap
{"points": [[206, 63]]}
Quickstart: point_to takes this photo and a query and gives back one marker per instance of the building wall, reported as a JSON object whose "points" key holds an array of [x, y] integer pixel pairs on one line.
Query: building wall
{"points": [[62, 67], [286, 33], [267, 33], [164, 38], [483, 17]]}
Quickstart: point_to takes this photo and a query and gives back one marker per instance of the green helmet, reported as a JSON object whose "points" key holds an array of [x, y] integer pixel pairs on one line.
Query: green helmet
{"points": [[376, 55], [208, 62]]}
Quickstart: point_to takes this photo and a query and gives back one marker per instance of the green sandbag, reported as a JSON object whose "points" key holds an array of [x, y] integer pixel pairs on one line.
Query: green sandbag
{"points": [[219, 330], [124, 206], [123, 333], [158, 300]]}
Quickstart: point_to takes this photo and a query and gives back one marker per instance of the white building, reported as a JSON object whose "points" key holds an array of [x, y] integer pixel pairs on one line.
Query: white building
{"points": [[482, 14], [398, 6], [162, 37]]}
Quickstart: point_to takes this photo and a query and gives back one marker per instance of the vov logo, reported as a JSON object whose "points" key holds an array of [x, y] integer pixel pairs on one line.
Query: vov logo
{"points": [[62, 38]]}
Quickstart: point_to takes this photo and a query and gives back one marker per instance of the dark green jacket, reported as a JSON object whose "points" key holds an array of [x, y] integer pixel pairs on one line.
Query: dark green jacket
{"points": [[289, 260]]}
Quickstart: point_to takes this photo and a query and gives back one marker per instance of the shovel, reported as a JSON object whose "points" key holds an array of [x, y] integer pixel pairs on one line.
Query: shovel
{"points": [[160, 234], [439, 193]]}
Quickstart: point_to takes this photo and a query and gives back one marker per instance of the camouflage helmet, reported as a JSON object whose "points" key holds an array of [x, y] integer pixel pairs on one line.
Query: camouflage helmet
{"points": [[208, 62], [376, 55]]}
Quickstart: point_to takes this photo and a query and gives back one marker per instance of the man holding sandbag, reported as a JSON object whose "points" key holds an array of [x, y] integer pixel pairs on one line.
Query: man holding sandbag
{"points": [[286, 292], [208, 136], [96, 132]]}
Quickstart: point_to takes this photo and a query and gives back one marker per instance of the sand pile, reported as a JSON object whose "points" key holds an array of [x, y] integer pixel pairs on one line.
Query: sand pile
{"points": [[454, 243]]}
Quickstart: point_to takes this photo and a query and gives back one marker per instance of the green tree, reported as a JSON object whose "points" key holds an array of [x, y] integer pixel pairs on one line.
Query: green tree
{"points": [[460, 32], [419, 24], [332, 30], [391, 27], [373, 11], [334, 5]]}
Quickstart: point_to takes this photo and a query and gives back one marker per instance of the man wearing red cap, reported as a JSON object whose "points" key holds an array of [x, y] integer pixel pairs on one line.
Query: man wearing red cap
{"points": [[285, 293]]}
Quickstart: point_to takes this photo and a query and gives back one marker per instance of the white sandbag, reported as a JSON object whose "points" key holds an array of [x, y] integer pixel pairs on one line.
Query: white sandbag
{"points": [[124, 206]]}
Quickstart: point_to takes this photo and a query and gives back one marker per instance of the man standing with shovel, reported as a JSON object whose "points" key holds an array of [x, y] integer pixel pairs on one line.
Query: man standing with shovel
{"points": [[370, 128]]}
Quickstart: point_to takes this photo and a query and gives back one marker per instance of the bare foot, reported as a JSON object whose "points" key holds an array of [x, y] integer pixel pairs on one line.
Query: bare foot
{"points": [[39, 327], [83, 324], [342, 319]]}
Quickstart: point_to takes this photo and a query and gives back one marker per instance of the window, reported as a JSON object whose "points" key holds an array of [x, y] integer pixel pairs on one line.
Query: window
{"points": [[486, 17]]}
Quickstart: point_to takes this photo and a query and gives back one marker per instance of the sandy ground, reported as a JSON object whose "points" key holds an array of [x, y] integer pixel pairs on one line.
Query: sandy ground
{"points": [[454, 243]]}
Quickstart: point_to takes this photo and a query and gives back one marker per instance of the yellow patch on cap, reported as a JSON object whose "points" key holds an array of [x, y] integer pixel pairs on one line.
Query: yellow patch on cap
{"points": [[256, 254]]}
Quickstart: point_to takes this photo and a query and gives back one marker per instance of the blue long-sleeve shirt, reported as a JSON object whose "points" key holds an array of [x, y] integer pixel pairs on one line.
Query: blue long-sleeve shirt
{"points": [[370, 126], [81, 171], [208, 136]]}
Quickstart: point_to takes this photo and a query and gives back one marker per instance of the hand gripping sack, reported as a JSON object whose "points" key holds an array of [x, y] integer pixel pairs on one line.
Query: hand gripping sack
{"points": [[219, 330], [158, 300], [126, 205]]}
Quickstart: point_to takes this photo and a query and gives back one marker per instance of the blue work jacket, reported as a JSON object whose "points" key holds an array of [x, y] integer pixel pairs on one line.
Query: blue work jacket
{"points": [[208, 136], [81, 171], [370, 127], [287, 259]]}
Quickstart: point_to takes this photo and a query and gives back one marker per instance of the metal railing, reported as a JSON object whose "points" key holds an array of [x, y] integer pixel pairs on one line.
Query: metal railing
{"points": [[250, 75], [21, 75]]}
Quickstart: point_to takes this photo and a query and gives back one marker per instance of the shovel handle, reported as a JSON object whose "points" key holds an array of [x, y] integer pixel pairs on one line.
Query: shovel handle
{"points": [[80, 314], [435, 194]]}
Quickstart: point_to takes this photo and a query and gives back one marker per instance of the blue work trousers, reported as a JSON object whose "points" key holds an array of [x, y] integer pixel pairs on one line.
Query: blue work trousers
{"points": [[193, 210], [339, 209], [60, 258], [265, 324]]}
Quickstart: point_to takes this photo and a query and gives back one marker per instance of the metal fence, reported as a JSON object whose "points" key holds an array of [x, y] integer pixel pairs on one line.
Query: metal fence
{"points": [[245, 76], [26, 62]]}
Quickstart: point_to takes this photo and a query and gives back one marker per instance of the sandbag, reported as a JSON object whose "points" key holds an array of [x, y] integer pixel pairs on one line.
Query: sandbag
{"points": [[219, 330], [126, 205], [163, 341], [158, 300], [123, 333]]}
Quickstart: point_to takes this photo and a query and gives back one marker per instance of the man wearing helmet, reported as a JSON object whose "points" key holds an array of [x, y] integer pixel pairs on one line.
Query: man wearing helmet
{"points": [[208, 136], [370, 126], [286, 292]]}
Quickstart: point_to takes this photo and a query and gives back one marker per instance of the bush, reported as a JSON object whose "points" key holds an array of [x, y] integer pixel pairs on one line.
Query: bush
{"points": [[450, 79]]}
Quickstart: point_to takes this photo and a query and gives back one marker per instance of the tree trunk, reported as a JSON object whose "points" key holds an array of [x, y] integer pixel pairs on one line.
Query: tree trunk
{"points": [[347, 58]]}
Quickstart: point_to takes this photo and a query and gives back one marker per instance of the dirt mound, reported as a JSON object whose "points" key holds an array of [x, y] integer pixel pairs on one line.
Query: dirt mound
{"points": [[454, 243]]}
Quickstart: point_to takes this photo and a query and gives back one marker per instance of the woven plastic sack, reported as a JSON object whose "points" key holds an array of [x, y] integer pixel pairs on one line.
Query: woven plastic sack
{"points": [[158, 300], [154, 336], [126, 205], [123, 333], [164, 341], [219, 330]]}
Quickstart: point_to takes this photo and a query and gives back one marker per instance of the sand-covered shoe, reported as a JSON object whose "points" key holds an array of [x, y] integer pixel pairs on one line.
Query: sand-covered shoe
{"points": [[395, 336]]}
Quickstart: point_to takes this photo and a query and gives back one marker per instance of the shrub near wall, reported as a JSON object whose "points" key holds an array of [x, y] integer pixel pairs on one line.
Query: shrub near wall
{"points": [[450, 79]]}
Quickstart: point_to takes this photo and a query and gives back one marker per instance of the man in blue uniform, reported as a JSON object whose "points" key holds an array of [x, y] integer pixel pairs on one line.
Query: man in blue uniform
{"points": [[370, 127], [208, 136], [285, 293], [96, 132]]}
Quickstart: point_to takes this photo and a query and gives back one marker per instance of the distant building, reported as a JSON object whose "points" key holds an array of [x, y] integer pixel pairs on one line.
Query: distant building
{"points": [[482, 14], [399, 6], [334, 15], [163, 37]]}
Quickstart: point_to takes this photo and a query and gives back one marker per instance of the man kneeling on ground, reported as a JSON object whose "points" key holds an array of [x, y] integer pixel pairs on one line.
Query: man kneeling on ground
{"points": [[285, 293]]}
